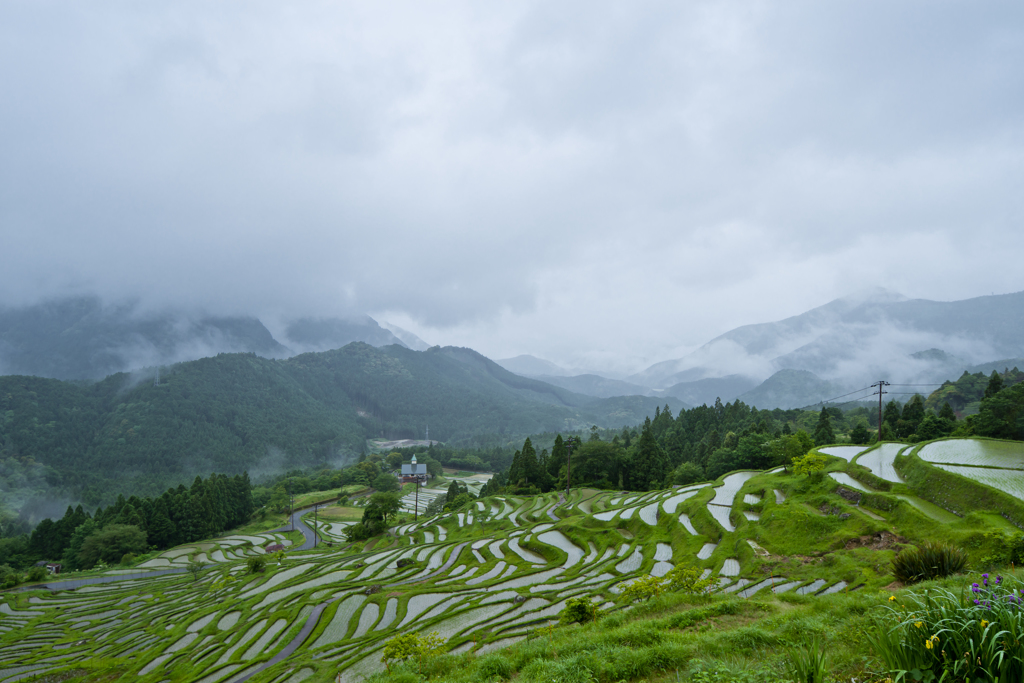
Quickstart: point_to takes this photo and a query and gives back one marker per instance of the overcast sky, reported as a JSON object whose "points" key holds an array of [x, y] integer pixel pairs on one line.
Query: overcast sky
{"points": [[603, 184]]}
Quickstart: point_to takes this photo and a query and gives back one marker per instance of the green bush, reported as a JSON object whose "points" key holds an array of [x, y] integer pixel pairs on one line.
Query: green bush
{"points": [[643, 588], [36, 574], [127, 558], [256, 564], [578, 610], [684, 579], [929, 561]]}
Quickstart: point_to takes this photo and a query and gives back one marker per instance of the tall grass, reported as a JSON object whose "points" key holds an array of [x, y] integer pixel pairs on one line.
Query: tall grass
{"points": [[930, 561], [942, 635]]}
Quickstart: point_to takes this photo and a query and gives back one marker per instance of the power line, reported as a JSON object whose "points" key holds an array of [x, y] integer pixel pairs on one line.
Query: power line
{"points": [[829, 400], [916, 385]]}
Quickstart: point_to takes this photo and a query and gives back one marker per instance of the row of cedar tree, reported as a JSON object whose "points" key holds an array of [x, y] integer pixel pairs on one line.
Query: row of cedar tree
{"points": [[181, 515]]}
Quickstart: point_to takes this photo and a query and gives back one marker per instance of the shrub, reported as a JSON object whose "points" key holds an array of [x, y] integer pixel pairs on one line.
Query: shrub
{"points": [[127, 558], [930, 561], [411, 646], [578, 610], [195, 569], [36, 574], [361, 531], [808, 463], [11, 580], [644, 588], [256, 564], [688, 580]]}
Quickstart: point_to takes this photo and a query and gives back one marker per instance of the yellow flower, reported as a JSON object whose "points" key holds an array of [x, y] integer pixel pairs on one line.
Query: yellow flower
{"points": [[918, 624], [934, 639], [892, 598], [984, 623], [928, 644]]}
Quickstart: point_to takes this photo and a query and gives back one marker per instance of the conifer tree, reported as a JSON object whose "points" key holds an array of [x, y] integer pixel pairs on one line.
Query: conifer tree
{"points": [[823, 433], [995, 385], [650, 465]]}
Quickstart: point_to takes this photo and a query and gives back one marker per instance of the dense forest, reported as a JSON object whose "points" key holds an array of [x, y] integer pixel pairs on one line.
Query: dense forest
{"points": [[706, 442], [237, 412], [133, 525]]}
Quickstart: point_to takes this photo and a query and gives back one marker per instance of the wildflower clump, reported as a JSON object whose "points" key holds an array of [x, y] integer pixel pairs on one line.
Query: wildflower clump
{"points": [[939, 634]]}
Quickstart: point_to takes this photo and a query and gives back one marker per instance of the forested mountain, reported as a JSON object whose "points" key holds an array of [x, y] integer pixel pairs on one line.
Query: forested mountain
{"points": [[791, 389], [596, 385], [236, 412], [706, 391]]}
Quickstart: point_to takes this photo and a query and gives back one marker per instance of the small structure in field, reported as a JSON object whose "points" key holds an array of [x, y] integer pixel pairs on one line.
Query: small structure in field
{"points": [[414, 472]]}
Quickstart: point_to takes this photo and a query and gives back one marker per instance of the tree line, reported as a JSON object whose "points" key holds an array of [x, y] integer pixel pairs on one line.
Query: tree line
{"points": [[133, 525]]}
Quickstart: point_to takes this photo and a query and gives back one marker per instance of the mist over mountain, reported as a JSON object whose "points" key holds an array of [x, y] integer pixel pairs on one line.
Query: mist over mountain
{"points": [[531, 366], [852, 341], [602, 387], [843, 345], [86, 339], [82, 338], [324, 334]]}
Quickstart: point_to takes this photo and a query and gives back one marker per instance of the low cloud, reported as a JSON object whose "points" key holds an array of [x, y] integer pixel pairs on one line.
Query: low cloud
{"points": [[602, 185]]}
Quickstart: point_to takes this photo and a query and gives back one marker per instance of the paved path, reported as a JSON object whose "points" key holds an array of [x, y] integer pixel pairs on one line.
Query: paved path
{"points": [[291, 647], [71, 584], [310, 538]]}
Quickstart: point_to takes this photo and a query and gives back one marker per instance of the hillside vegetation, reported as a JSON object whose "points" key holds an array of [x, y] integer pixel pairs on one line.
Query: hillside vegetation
{"points": [[237, 412], [733, 580]]}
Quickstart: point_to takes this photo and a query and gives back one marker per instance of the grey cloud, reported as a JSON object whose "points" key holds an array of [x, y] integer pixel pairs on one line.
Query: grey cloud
{"points": [[482, 175]]}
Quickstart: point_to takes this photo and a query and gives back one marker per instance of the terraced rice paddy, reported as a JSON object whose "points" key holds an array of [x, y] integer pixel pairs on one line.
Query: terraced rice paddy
{"points": [[975, 452], [847, 453], [846, 480], [879, 461], [483, 577], [1008, 481]]}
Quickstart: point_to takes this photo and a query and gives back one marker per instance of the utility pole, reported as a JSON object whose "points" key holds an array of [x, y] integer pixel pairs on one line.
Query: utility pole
{"points": [[316, 528], [416, 514], [569, 443], [291, 503], [881, 384]]}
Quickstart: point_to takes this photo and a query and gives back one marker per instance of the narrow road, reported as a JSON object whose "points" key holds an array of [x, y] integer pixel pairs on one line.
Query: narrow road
{"points": [[71, 584], [309, 537]]}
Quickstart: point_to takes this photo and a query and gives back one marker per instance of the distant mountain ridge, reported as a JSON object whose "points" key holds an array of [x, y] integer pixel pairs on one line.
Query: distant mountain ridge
{"points": [[83, 338], [235, 412], [847, 341]]}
